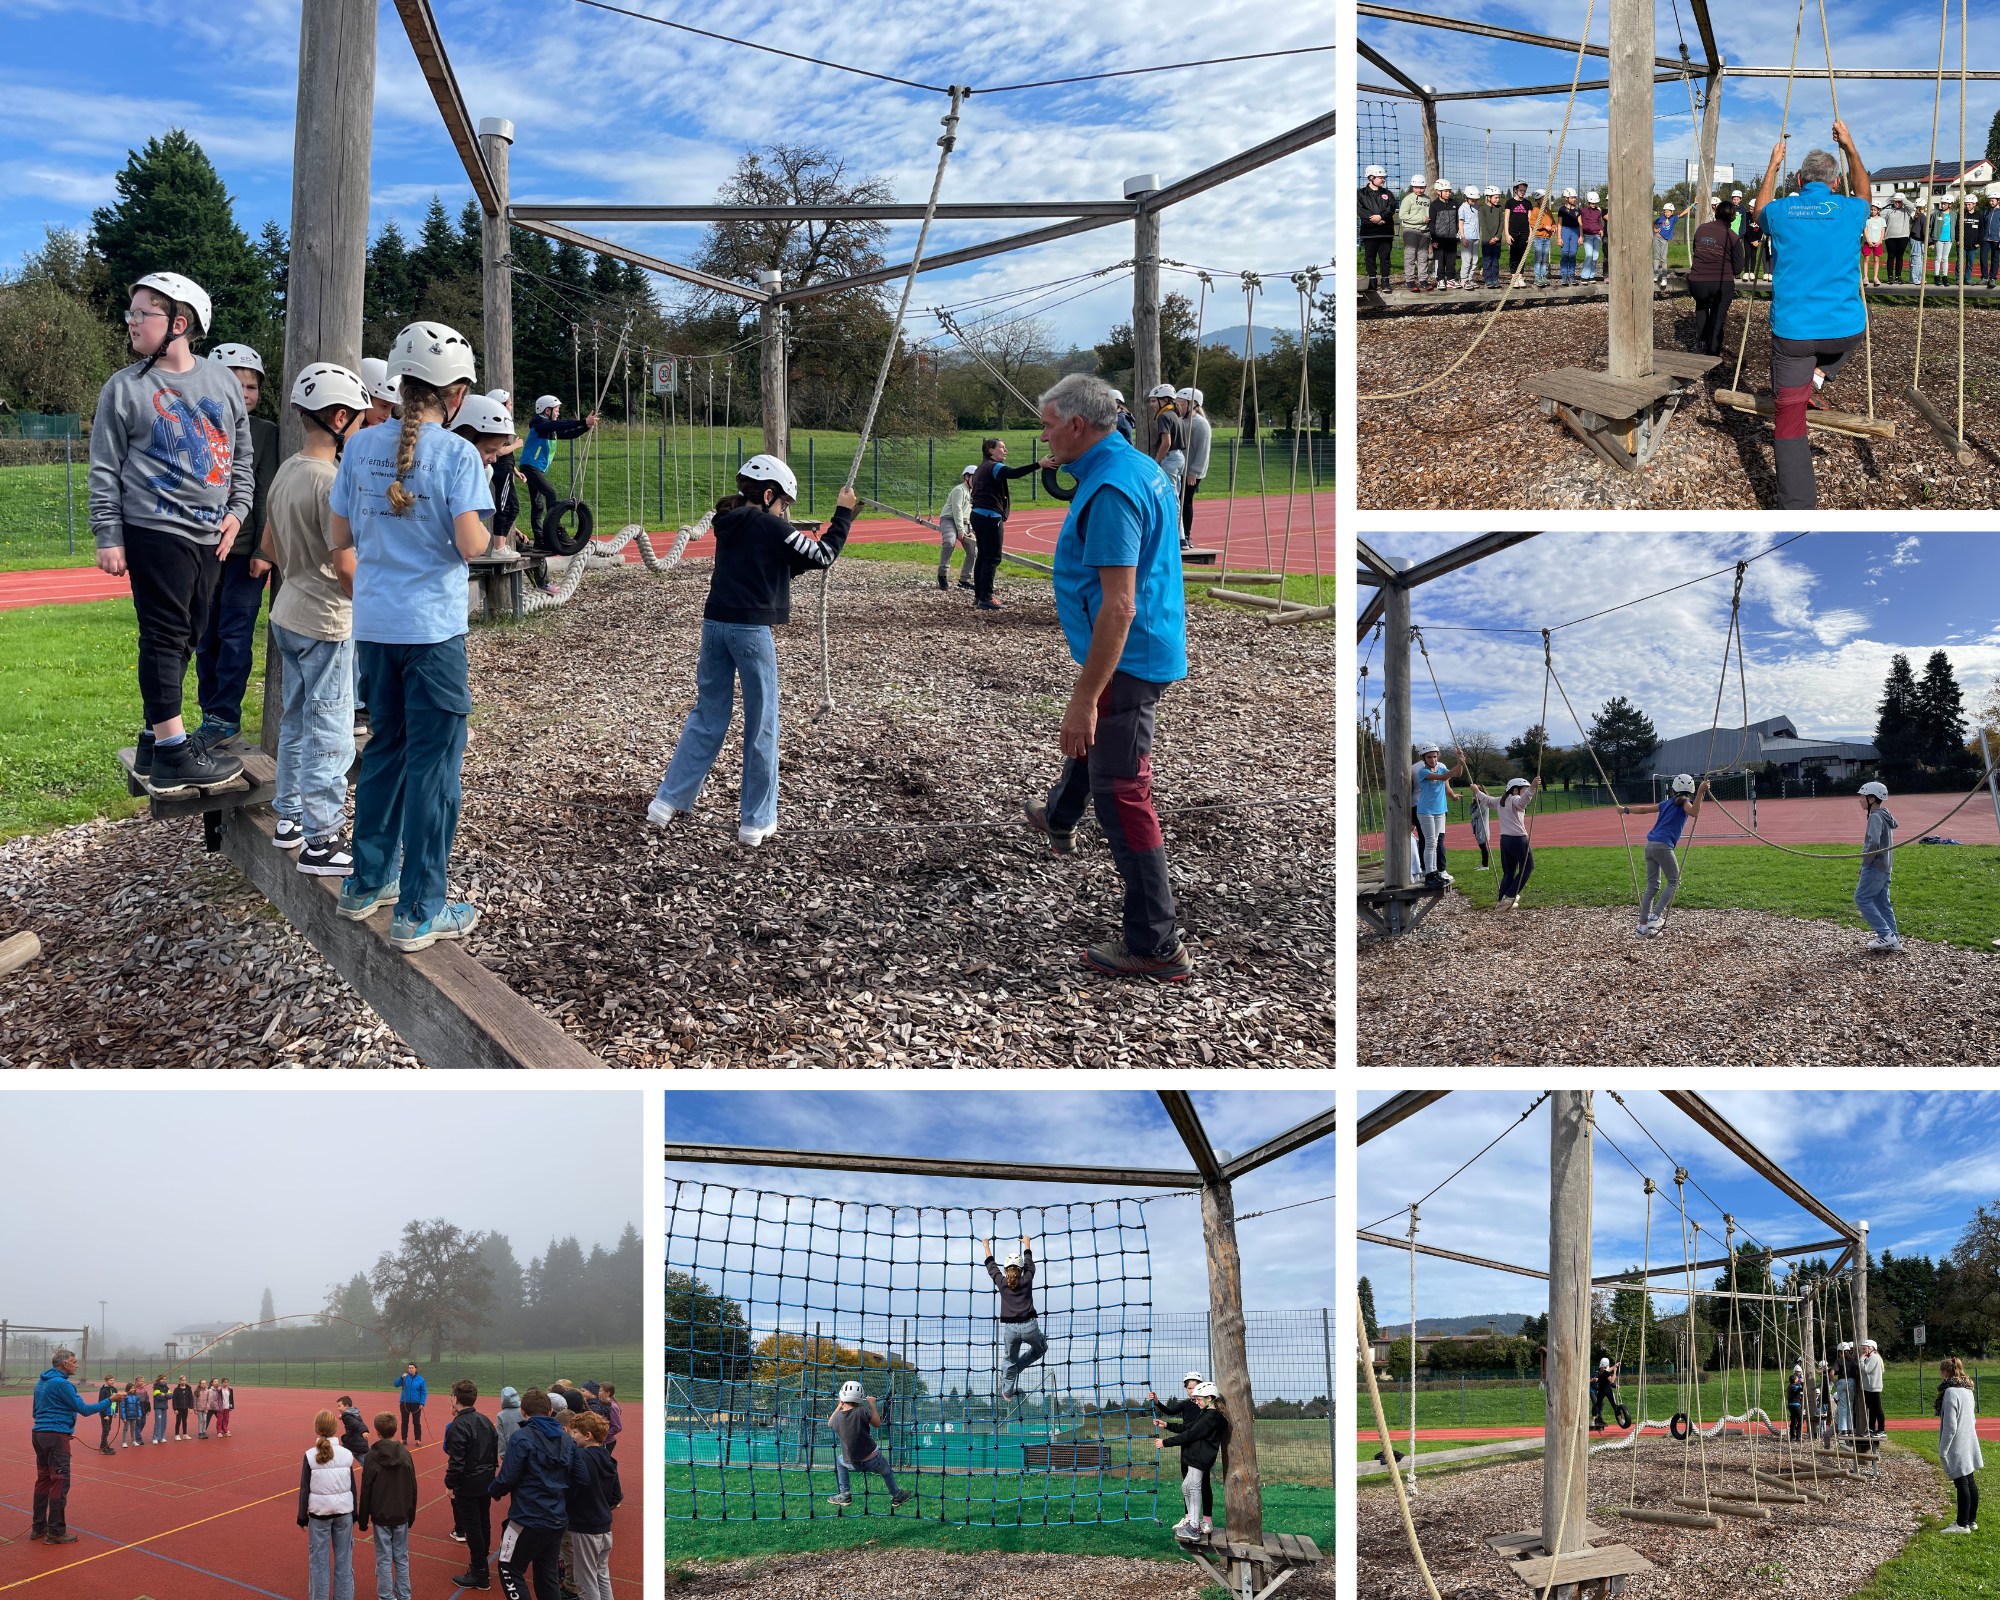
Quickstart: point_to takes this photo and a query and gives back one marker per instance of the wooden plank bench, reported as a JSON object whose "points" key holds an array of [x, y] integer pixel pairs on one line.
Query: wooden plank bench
{"points": [[500, 584], [1196, 556], [1594, 1574], [1620, 420]]}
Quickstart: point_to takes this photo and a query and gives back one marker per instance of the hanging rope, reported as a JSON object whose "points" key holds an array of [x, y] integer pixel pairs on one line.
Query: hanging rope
{"points": [[1645, 1303], [1784, 123], [1389, 1449], [1867, 322], [1246, 382], [1307, 283], [945, 147], [1549, 660]]}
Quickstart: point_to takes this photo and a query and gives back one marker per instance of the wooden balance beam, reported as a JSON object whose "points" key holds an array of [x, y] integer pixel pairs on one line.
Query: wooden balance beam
{"points": [[1846, 422], [1948, 436], [1722, 1507], [1669, 1519]]}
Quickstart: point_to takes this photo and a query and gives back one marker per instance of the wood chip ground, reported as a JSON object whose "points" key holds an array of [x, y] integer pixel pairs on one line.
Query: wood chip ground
{"points": [[1807, 1552], [683, 949], [1577, 986], [942, 1575], [1477, 442]]}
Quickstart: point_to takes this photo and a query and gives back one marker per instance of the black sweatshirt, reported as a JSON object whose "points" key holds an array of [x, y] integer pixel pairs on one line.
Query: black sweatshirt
{"points": [[989, 486], [1016, 1305], [1200, 1439], [756, 557]]}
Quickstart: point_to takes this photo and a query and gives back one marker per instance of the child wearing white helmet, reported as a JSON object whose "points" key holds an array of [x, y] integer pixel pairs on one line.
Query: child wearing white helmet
{"points": [[312, 624], [1429, 779], [1569, 219], [1201, 438], [486, 425], [1590, 232], [1603, 1392], [1444, 235], [1413, 217], [1878, 860], [1186, 1411], [1681, 807], [1375, 223], [757, 554], [543, 431], [172, 482], [1169, 436], [1020, 1327], [408, 500], [1200, 1441], [853, 1416], [955, 529], [1517, 861], [381, 392], [222, 653], [1663, 239]]}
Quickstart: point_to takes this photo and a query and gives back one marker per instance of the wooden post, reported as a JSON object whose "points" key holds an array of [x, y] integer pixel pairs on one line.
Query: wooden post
{"points": [[1145, 291], [331, 143], [1860, 1290], [1243, 1493], [1565, 1463], [774, 370], [1396, 732], [1630, 271], [496, 278], [1431, 141], [1809, 1346], [1711, 122]]}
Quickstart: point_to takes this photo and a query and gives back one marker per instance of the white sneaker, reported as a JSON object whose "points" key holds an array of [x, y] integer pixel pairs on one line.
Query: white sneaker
{"points": [[1514, 904], [1956, 1527], [662, 815], [1485, 869], [752, 837], [1503, 902], [1877, 942], [1895, 948]]}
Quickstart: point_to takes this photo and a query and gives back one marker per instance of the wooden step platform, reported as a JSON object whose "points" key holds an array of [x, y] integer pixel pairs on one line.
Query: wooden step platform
{"points": [[1276, 1558], [500, 583], [1585, 389], [1513, 1544], [1197, 556], [1389, 911], [1846, 422], [1589, 1574], [255, 787]]}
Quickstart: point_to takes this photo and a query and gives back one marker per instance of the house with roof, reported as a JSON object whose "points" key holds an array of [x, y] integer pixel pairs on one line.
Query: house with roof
{"points": [[1775, 739], [1918, 183]]}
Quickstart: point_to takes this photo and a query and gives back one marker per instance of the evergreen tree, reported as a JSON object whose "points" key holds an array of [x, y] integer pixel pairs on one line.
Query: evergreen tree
{"points": [[1993, 140], [471, 255], [1529, 752], [538, 325], [606, 275], [353, 1303], [266, 1311], [1940, 719], [1898, 733], [498, 1254], [1365, 1293], [275, 251], [437, 253], [173, 215], [1623, 736], [388, 297]]}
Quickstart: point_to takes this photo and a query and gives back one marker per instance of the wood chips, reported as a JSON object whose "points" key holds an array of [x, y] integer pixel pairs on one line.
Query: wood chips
{"points": [[941, 1575]]}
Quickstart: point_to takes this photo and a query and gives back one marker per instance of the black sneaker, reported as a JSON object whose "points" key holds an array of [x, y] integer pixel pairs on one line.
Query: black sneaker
{"points": [[143, 765], [473, 1580], [288, 835], [987, 605], [325, 858], [188, 767], [943, 581], [965, 583]]}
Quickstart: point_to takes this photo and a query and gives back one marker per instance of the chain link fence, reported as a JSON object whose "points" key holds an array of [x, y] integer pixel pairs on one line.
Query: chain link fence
{"points": [[44, 499]]}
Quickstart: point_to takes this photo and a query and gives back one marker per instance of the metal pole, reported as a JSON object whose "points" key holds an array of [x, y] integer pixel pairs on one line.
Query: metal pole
{"points": [[69, 491], [1992, 779], [930, 474], [1565, 1469], [1326, 1342], [811, 467]]}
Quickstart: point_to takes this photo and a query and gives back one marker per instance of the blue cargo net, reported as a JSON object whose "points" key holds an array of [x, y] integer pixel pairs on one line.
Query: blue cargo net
{"points": [[775, 1300]]}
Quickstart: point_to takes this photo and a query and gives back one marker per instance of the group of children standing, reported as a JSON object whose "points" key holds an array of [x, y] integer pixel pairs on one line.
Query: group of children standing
{"points": [[209, 1403]]}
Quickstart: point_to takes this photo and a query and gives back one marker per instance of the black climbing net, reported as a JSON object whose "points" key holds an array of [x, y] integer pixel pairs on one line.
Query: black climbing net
{"points": [[775, 1300]]}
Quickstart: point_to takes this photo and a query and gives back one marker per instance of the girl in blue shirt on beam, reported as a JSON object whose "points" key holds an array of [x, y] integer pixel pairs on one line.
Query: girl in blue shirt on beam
{"points": [[1682, 806]]}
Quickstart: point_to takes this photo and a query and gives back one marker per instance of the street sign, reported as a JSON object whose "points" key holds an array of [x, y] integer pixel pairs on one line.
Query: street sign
{"points": [[666, 376], [1917, 1334]]}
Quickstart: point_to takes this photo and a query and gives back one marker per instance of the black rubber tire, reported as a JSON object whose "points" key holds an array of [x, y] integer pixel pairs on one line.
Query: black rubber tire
{"points": [[1624, 1417], [558, 541], [1679, 1426], [1053, 485]]}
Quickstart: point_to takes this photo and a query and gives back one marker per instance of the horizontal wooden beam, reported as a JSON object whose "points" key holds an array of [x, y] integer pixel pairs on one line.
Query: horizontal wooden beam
{"points": [[1375, 58], [953, 258], [638, 258], [1383, 88], [1390, 1241], [977, 211], [1852, 72], [927, 1166], [1463, 555], [441, 1002], [1423, 19], [428, 46], [1374, 561], [1717, 1127], [1312, 1130], [1588, 87], [1719, 1261], [1291, 141], [1180, 1110]]}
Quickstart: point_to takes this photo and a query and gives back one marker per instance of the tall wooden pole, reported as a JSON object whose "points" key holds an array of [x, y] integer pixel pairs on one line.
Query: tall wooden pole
{"points": [[1243, 1493], [1145, 292], [496, 277], [1431, 156], [1631, 179], [1396, 733], [1711, 123], [1808, 1340], [1860, 1289], [1565, 1461], [331, 142], [774, 369]]}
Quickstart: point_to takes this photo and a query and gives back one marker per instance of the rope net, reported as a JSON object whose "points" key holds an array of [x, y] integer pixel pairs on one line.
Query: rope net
{"points": [[775, 1300]]}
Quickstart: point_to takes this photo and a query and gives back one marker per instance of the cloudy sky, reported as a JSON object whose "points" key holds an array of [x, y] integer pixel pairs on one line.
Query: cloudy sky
{"points": [[610, 108], [1287, 1258], [1499, 1207], [1891, 120], [1822, 618], [182, 1207]]}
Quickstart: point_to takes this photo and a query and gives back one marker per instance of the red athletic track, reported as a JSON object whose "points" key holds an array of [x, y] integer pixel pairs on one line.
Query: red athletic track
{"points": [[57, 586], [1989, 1428], [200, 1520], [1832, 824]]}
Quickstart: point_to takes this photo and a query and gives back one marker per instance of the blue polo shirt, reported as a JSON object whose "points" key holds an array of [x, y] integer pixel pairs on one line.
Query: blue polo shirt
{"points": [[1816, 284], [1124, 514]]}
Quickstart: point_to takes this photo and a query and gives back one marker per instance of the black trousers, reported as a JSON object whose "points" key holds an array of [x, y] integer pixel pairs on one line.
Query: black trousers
{"points": [[173, 589], [537, 1551], [1968, 1499], [1711, 305], [413, 1418], [1872, 1399], [990, 533], [1516, 248], [51, 1480], [1188, 487], [1989, 259], [541, 496], [472, 1516], [1517, 864], [1898, 254], [1445, 253], [105, 1425], [1798, 1416], [1376, 252]]}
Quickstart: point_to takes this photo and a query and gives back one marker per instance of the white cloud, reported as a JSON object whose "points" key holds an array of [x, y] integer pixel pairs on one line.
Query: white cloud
{"points": [[1906, 552]]}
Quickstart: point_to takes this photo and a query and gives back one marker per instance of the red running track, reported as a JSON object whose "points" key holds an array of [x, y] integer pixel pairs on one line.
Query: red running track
{"points": [[58, 586], [1834, 824], [204, 1519]]}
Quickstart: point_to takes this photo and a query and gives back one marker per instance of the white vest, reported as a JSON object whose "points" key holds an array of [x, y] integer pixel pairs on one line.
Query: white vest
{"points": [[331, 1492]]}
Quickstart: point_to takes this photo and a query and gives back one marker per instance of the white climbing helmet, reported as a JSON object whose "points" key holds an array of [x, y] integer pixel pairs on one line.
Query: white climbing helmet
{"points": [[484, 415], [1993, 191], [1420, 182], [374, 371], [1194, 1377], [185, 290], [1603, 1363], [1569, 194], [851, 1392], [1195, 396], [238, 355], [1517, 783], [1376, 172], [1160, 391], [769, 469], [1427, 748], [1683, 784], [1590, 198], [1877, 791], [501, 397], [1207, 1391], [1012, 1264], [1737, 194], [1443, 186], [1185, 394], [432, 353], [548, 402], [323, 384], [1670, 208], [970, 470]]}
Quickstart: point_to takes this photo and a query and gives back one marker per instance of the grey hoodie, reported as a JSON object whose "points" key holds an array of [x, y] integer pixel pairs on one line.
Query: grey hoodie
{"points": [[170, 452], [510, 1417], [1877, 854]]}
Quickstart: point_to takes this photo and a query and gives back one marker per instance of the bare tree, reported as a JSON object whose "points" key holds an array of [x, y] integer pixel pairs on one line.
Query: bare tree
{"points": [[436, 1287], [1024, 352], [1483, 761]]}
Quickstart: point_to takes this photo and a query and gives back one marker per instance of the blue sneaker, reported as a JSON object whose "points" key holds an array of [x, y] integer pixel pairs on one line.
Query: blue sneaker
{"points": [[454, 922], [357, 905], [213, 732]]}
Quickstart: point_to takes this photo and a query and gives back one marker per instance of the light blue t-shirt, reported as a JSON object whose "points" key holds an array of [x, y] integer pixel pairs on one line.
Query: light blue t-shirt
{"points": [[409, 579], [1816, 284], [1672, 819], [1430, 790], [1124, 514]]}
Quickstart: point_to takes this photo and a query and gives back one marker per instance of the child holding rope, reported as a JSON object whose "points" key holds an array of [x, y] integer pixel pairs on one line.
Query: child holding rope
{"points": [[1871, 891], [1430, 778], [851, 1420], [1517, 861], [1187, 1411], [547, 427], [1020, 1327], [1680, 807], [1200, 1441]]}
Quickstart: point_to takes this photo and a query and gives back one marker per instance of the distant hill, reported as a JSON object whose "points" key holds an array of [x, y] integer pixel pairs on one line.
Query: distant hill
{"points": [[1231, 339], [1504, 1322]]}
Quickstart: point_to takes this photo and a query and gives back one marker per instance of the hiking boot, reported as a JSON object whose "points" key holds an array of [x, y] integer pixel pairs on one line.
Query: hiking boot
{"points": [[1113, 958], [326, 858], [455, 921], [37, 1530], [61, 1536], [190, 767], [901, 1495], [840, 1499], [213, 732], [289, 834], [143, 754], [944, 580], [357, 905], [472, 1580], [1061, 840]]}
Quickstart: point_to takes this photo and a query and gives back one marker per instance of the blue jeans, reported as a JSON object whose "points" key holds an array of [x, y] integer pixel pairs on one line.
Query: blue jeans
{"points": [[222, 653], [408, 795], [1871, 899], [316, 737], [1569, 237], [1592, 243], [1489, 257], [1025, 1346], [160, 1423], [730, 650], [878, 1462], [330, 1557], [392, 1562], [1542, 259]]}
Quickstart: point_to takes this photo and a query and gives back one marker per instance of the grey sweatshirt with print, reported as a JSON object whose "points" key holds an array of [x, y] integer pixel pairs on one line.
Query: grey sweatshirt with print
{"points": [[170, 452]]}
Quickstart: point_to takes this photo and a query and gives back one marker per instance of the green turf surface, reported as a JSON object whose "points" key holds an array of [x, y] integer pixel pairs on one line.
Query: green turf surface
{"points": [[1934, 1563]]}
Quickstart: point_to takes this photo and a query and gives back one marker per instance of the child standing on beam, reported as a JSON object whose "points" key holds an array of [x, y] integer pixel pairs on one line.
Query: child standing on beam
{"points": [[1679, 808]]}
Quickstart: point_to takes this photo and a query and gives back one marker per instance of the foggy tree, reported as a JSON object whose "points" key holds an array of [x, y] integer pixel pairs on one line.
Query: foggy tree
{"points": [[436, 1287]]}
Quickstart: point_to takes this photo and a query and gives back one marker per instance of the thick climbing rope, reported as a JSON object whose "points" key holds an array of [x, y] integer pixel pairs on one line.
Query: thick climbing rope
{"points": [[1253, 285], [1784, 123], [1862, 855], [1555, 166], [1389, 1450], [945, 146], [1685, 857], [1549, 660], [1924, 277], [1867, 322], [609, 550], [1645, 1304], [1413, 1348], [1307, 283]]}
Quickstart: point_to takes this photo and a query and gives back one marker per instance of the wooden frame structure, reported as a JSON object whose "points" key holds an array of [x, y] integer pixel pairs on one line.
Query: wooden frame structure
{"points": [[1542, 1554], [1254, 1561]]}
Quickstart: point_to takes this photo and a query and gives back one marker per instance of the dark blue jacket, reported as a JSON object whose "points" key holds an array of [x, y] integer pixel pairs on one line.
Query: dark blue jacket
{"points": [[590, 1507], [58, 1405], [412, 1386], [542, 1466]]}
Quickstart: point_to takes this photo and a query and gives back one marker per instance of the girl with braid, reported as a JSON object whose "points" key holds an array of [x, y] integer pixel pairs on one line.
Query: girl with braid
{"points": [[408, 498]]}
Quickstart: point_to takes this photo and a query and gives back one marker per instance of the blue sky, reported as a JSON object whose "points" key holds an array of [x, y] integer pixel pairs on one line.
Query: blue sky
{"points": [[1287, 1258], [1851, 1149], [1891, 120], [611, 108], [1821, 620]]}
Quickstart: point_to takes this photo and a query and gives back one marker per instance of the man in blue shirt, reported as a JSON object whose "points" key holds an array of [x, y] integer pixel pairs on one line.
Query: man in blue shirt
{"points": [[57, 1405], [411, 1385], [1817, 313], [1120, 601]]}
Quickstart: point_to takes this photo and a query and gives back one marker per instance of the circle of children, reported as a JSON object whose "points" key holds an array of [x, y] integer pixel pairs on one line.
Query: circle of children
{"points": [[371, 526], [549, 1453], [1430, 787]]}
